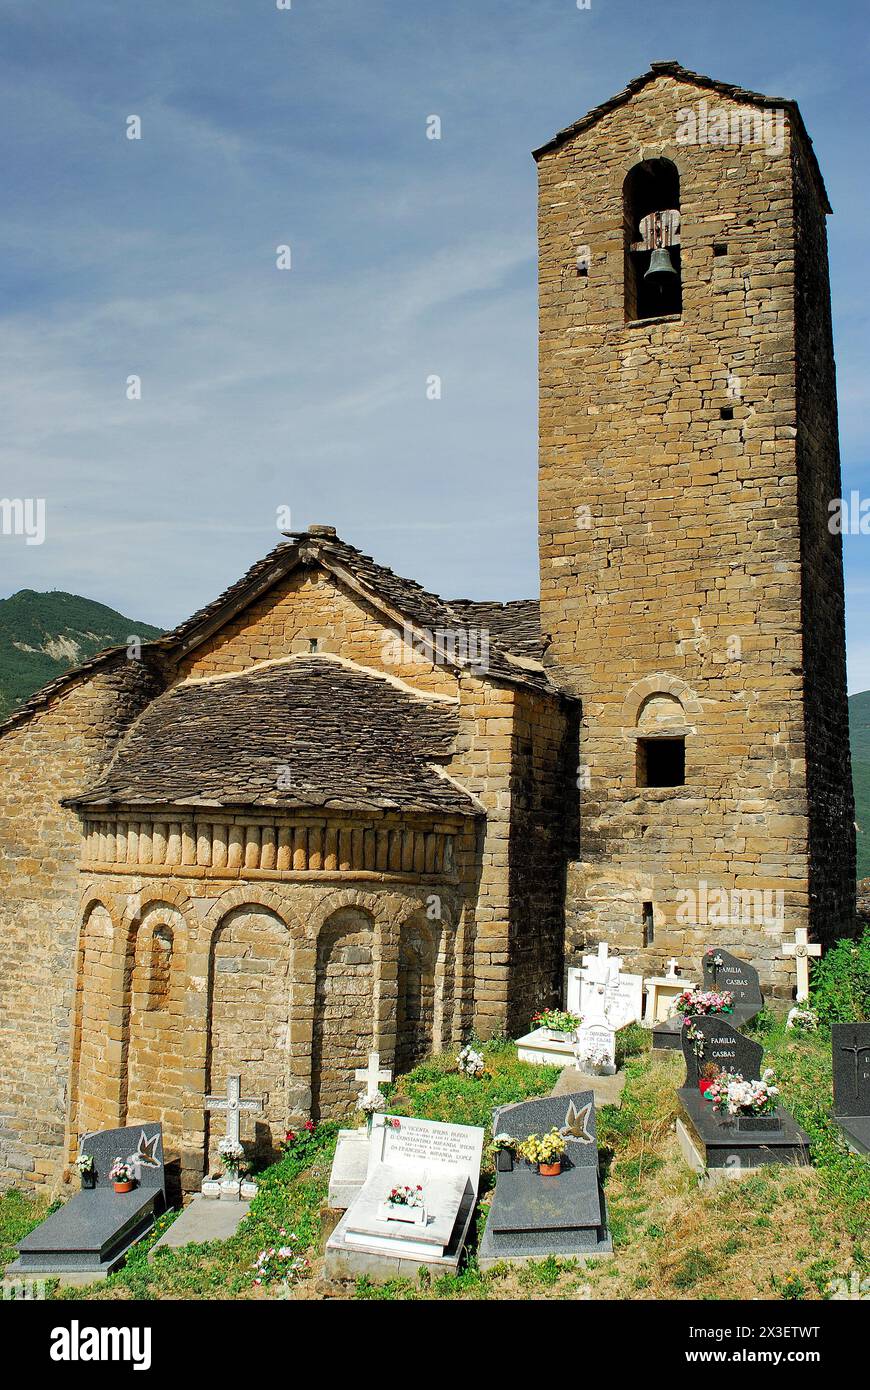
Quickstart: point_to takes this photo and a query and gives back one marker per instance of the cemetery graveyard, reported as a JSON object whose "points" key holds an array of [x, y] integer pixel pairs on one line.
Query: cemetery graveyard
{"points": [[408, 1192]]}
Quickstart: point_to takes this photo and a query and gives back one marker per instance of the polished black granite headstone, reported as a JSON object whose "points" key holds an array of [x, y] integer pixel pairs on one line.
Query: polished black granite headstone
{"points": [[533, 1216], [93, 1231], [723, 971], [850, 1056], [721, 1044]]}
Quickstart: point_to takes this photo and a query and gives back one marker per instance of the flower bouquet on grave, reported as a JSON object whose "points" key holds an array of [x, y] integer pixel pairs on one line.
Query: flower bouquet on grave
{"points": [[503, 1148], [545, 1151], [371, 1103], [87, 1171], [698, 1003], [560, 1024], [405, 1203], [802, 1020], [231, 1154], [470, 1062], [745, 1104], [123, 1175]]}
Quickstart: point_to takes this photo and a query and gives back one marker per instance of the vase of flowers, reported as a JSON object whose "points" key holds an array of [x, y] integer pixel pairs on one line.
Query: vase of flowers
{"points": [[371, 1103], [502, 1149], [708, 1075], [86, 1170], [745, 1105], [561, 1026], [698, 1003], [231, 1154], [545, 1152], [122, 1175], [405, 1203]]}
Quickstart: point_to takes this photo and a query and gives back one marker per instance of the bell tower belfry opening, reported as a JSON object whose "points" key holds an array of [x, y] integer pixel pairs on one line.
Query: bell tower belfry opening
{"points": [[690, 588]]}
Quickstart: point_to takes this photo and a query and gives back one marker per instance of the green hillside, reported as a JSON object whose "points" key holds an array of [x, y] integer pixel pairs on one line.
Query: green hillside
{"points": [[43, 635], [859, 733]]}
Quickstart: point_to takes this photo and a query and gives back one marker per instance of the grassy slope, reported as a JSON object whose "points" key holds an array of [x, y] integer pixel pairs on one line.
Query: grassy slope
{"points": [[781, 1233], [36, 620], [859, 734]]}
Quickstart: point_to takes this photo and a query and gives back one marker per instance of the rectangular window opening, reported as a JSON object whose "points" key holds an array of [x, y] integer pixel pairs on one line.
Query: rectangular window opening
{"points": [[649, 929], [661, 762], [720, 248], [726, 412]]}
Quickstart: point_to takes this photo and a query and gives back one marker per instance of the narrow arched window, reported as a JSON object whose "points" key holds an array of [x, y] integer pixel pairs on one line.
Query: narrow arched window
{"points": [[651, 215], [161, 968]]}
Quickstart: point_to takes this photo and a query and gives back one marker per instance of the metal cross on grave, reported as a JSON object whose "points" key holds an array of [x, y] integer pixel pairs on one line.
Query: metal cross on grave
{"points": [[801, 948], [233, 1105], [373, 1075]]}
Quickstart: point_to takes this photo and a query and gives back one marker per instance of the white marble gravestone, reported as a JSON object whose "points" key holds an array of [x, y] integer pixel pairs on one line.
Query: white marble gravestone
{"points": [[662, 991], [445, 1161], [350, 1164], [601, 992], [595, 1049]]}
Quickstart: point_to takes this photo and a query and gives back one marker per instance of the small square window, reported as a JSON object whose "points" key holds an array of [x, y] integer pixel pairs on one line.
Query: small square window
{"points": [[314, 644], [661, 762], [719, 248], [726, 412]]}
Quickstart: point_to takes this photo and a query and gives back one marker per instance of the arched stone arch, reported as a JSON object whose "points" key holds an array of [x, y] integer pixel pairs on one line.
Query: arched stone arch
{"points": [[345, 1006], [94, 1100], [155, 988], [250, 1002], [417, 995], [659, 684], [254, 895]]}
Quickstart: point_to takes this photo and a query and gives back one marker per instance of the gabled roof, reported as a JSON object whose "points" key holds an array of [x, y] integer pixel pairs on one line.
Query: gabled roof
{"points": [[514, 650], [311, 731], [671, 68]]}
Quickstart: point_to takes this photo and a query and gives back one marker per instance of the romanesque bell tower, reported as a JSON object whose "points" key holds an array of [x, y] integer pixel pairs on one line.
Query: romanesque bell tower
{"points": [[690, 585]]}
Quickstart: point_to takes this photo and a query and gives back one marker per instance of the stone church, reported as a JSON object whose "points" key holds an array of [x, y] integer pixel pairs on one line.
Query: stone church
{"points": [[333, 811]]}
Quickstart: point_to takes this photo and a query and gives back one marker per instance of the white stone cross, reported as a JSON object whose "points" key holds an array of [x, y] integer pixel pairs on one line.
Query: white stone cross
{"points": [[801, 949], [672, 968], [233, 1104], [601, 969], [373, 1075]]}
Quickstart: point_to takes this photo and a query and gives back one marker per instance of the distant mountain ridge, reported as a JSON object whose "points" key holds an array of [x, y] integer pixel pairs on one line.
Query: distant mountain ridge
{"points": [[44, 634]]}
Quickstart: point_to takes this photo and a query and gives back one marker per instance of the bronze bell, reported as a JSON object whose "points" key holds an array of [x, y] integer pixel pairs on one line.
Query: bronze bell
{"points": [[660, 263]]}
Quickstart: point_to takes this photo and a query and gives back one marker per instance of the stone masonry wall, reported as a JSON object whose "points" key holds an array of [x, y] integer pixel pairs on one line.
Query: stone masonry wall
{"points": [[670, 538], [43, 758]]}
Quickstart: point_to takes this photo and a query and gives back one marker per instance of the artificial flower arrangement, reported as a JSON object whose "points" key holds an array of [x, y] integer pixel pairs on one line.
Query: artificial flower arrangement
{"points": [[470, 1062], [545, 1151], [405, 1203], [730, 1095], [697, 1003], [503, 1148], [87, 1171], [558, 1022], [122, 1174], [371, 1103], [597, 1061], [231, 1155], [802, 1020]]}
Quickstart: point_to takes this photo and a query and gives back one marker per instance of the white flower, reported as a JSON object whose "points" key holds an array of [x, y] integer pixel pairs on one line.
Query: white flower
{"points": [[470, 1062], [371, 1102]]}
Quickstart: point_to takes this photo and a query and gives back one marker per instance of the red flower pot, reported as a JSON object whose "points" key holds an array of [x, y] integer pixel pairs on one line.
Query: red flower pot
{"points": [[123, 1186], [550, 1170], [704, 1086]]}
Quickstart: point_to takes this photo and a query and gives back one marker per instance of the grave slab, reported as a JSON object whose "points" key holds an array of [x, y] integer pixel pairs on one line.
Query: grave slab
{"points": [[445, 1160], [349, 1167], [723, 971], [202, 1220], [533, 1216], [722, 1044], [540, 1048], [92, 1232], [607, 1090], [724, 1149]]}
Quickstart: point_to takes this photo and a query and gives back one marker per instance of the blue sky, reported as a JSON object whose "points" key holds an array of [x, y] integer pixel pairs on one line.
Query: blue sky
{"points": [[306, 389]]}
